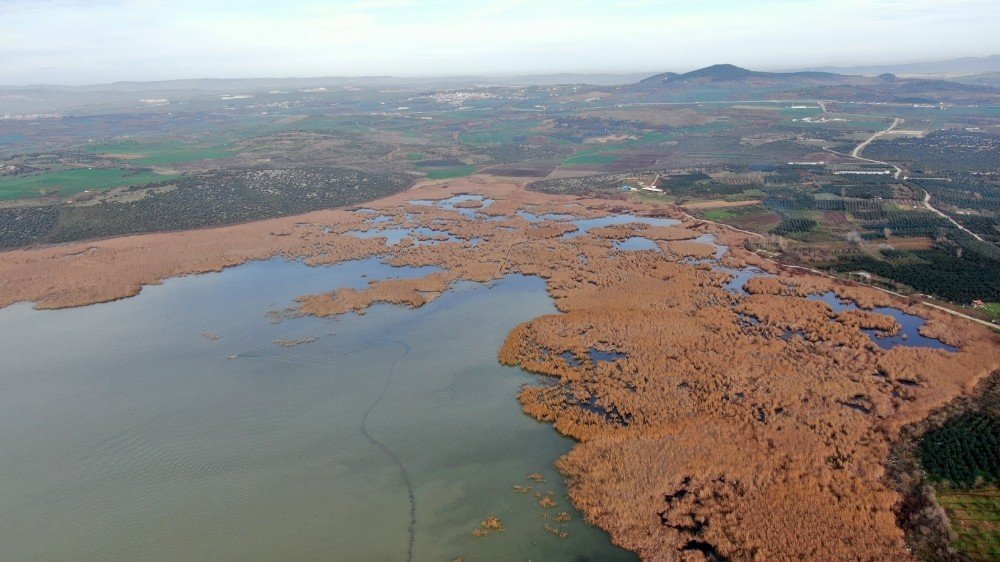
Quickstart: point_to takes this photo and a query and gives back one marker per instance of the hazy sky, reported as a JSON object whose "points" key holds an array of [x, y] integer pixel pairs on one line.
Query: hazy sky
{"points": [[93, 41]]}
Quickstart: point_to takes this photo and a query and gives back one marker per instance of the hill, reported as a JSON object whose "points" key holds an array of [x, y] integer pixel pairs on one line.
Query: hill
{"points": [[727, 81], [729, 72]]}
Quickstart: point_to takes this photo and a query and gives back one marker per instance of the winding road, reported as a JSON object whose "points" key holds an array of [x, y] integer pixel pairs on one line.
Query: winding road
{"points": [[856, 154]]}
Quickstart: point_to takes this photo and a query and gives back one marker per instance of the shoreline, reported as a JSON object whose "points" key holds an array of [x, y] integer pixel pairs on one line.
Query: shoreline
{"points": [[753, 418]]}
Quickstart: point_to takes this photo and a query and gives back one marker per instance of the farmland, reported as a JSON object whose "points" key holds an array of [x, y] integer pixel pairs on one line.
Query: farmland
{"points": [[450, 172], [841, 223], [159, 153], [975, 518], [960, 454], [671, 341], [196, 200], [780, 168], [69, 182]]}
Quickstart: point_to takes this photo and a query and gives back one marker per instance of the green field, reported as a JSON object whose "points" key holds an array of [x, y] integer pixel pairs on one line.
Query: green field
{"points": [[652, 138], [449, 172], [718, 215], [992, 308], [585, 157], [801, 112], [69, 182], [975, 517], [495, 137], [167, 152]]}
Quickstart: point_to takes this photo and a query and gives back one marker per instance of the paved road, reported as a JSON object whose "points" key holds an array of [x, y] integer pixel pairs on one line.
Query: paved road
{"points": [[825, 274], [927, 203], [925, 303], [856, 153]]}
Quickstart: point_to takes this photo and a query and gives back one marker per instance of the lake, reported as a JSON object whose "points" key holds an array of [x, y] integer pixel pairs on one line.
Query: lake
{"points": [[131, 433]]}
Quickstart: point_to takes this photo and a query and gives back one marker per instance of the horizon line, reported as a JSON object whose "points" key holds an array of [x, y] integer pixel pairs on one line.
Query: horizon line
{"points": [[500, 75]]}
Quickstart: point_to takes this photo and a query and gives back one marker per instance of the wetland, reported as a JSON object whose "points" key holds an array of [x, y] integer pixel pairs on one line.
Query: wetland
{"points": [[703, 400], [145, 439]]}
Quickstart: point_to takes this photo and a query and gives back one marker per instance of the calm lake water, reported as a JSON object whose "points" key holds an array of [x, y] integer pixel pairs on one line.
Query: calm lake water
{"points": [[909, 334], [128, 434], [584, 225], [636, 244]]}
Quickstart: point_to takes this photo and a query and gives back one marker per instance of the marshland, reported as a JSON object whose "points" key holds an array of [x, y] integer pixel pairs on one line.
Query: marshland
{"points": [[392, 431]]}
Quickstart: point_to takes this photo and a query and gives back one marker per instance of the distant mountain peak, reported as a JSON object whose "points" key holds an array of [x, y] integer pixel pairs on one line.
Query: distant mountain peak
{"points": [[720, 72], [728, 73], [734, 82]]}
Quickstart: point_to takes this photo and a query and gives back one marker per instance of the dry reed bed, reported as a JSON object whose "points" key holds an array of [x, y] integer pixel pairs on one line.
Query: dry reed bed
{"points": [[747, 427]]}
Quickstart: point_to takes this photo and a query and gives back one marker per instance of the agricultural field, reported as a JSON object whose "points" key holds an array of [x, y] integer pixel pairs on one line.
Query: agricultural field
{"points": [[778, 167], [961, 458], [992, 308], [971, 199], [196, 200], [65, 183], [440, 173], [159, 153], [596, 157], [875, 226], [973, 151], [966, 451], [975, 519]]}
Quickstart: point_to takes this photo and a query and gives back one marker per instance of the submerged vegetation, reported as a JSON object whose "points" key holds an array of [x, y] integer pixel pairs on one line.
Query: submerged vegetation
{"points": [[489, 526]]}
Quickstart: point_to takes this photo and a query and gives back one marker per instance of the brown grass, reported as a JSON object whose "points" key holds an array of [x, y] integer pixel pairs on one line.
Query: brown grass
{"points": [[917, 243], [489, 526], [716, 431]]}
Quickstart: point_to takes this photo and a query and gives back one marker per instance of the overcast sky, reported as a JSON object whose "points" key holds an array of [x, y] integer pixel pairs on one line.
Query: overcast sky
{"points": [[95, 41]]}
